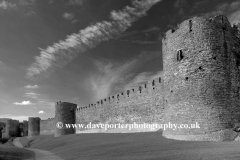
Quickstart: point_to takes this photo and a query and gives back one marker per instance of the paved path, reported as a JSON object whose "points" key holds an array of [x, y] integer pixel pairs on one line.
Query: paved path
{"points": [[39, 154]]}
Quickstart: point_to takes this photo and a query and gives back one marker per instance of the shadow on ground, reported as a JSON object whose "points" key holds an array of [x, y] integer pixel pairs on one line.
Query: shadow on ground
{"points": [[129, 146], [9, 152]]}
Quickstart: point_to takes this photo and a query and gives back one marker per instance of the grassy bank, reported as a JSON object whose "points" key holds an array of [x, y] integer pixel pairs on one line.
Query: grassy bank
{"points": [[106, 146]]}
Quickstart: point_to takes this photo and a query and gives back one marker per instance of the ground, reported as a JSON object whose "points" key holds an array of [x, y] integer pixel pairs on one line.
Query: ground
{"points": [[8, 152], [131, 146]]}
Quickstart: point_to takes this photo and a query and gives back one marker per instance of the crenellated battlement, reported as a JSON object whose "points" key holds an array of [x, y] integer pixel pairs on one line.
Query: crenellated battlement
{"points": [[148, 87], [193, 25]]}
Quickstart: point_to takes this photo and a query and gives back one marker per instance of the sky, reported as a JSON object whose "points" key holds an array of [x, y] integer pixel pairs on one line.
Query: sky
{"points": [[82, 51]]}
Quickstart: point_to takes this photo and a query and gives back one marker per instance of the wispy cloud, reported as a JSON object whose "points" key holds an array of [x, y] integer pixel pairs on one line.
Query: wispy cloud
{"points": [[19, 117], [63, 52], [110, 75], [142, 78], [148, 36], [68, 16], [26, 2], [231, 10], [41, 112], [7, 5], [24, 103], [32, 95], [45, 103], [31, 86]]}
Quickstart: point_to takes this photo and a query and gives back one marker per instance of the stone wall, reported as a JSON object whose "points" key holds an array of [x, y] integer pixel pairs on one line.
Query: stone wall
{"points": [[201, 79], [47, 126], [143, 104]]}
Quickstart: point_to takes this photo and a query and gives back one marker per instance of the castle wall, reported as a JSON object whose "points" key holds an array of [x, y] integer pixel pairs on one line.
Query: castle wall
{"points": [[47, 126], [201, 83], [143, 104], [11, 128], [64, 113], [201, 79], [33, 126]]}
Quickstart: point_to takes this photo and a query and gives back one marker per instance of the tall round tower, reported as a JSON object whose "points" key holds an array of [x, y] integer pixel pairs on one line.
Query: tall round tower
{"points": [[7, 133], [33, 126], [201, 80], [25, 128], [64, 114]]}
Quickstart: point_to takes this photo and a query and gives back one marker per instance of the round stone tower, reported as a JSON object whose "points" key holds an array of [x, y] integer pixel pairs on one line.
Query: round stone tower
{"points": [[201, 80], [64, 114], [7, 133], [25, 128], [33, 126]]}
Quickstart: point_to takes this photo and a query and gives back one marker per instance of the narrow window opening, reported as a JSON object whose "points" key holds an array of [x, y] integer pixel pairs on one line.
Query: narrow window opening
{"points": [[133, 90], [238, 61], [171, 91], [160, 80], [190, 25], [140, 89], [122, 93], [145, 85], [179, 55], [128, 92], [153, 83]]}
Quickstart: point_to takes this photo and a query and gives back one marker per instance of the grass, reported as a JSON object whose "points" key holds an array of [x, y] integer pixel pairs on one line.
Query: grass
{"points": [[12, 153], [129, 146], [3, 140]]}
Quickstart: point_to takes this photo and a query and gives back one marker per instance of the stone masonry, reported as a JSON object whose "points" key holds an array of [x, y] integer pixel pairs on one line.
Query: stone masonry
{"points": [[65, 114]]}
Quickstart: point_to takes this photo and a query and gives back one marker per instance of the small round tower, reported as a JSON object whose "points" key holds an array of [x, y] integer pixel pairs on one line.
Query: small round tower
{"points": [[7, 133], [25, 128], [201, 79], [33, 126], [64, 114]]}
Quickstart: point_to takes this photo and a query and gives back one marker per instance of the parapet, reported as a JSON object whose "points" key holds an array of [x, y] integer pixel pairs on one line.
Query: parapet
{"points": [[194, 23], [117, 98]]}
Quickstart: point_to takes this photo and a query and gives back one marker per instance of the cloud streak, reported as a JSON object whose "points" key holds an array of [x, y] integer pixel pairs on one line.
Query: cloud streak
{"points": [[142, 78], [109, 73], [23, 103], [63, 52], [31, 86], [7, 5], [231, 10], [41, 112], [32, 95]]}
